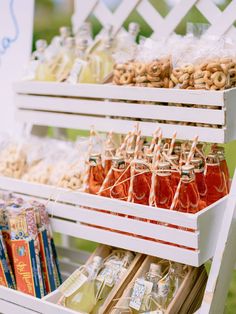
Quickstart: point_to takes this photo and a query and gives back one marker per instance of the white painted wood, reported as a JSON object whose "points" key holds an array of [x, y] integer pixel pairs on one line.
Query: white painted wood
{"points": [[109, 91], [70, 212], [8, 307], [223, 261], [206, 134], [127, 242], [115, 108]]}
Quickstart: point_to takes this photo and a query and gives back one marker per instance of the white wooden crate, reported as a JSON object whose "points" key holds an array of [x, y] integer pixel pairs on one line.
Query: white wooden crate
{"points": [[71, 214], [117, 107]]}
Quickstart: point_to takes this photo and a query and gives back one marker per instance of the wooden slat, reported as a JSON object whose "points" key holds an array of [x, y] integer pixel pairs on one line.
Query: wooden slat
{"points": [[206, 134], [121, 109], [200, 97], [126, 242]]}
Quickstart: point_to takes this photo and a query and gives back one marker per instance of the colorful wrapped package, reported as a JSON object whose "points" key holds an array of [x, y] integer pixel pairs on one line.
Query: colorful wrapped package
{"points": [[49, 260], [25, 250], [6, 274]]}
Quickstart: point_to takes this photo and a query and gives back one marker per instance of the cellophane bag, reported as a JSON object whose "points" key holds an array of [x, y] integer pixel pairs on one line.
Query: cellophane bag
{"points": [[153, 64]]}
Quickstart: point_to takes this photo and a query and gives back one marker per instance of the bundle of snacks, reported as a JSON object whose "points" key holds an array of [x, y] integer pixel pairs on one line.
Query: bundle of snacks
{"points": [[28, 247]]}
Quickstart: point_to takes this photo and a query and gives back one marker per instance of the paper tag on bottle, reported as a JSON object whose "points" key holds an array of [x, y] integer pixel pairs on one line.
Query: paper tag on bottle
{"points": [[164, 287], [110, 273], [73, 283], [75, 71], [141, 288]]}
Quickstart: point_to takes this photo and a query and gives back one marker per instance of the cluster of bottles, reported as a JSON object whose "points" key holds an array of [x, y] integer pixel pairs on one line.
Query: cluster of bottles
{"points": [[88, 287], [80, 58], [165, 174], [153, 292]]}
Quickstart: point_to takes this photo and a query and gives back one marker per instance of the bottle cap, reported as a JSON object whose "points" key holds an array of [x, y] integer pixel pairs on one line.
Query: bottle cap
{"points": [[134, 28], [118, 162], [70, 42], [174, 158], [163, 165], [128, 257], [155, 269], [97, 260], [196, 162], [95, 158], [187, 168], [41, 45], [212, 159], [64, 31], [82, 43], [130, 153]]}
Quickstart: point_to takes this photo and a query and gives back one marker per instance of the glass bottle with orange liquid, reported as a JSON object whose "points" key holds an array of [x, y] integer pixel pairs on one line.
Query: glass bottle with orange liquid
{"points": [[220, 151], [121, 177], [215, 181], [175, 175], [96, 173], [141, 182], [163, 188], [188, 198], [200, 179]]}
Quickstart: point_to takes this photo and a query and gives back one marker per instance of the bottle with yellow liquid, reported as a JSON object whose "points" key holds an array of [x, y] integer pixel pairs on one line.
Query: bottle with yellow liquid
{"points": [[80, 289], [41, 68], [102, 61], [81, 71], [112, 272], [65, 60]]}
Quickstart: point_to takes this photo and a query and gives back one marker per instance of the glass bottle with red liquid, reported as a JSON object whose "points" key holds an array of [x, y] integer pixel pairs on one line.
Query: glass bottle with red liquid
{"points": [[121, 177], [200, 180], [175, 175], [220, 151], [164, 192], [141, 183], [215, 181], [96, 173], [188, 198]]}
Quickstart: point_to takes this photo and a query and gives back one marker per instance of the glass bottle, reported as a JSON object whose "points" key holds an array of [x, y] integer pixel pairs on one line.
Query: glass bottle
{"points": [[109, 154], [81, 71], [96, 173], [200, 180], [175, 175], [215, 182], [120, 173], [112, 272], [177, 149], [84, 298], [141, 183], [39, 63], [53, 51], [220, 151], [125, 42], [102, 61], [188, 198], [153, 277], [66, 60], [163, 188], [84, 32]]}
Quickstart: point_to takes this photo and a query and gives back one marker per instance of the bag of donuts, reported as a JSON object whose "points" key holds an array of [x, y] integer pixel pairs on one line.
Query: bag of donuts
{"points": [[153, 64], [183, 49], [124, 68], [209, 63]]}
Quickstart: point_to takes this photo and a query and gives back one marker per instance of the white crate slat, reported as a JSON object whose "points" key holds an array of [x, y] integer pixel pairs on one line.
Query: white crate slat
{"points": [[113, 108], [109, 91], [83, 216], [126, 242], [206, 134]]}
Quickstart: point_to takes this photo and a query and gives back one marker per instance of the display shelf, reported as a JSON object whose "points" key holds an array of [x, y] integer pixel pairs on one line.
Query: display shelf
{"points": [[117, 107], [82, 215]]}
